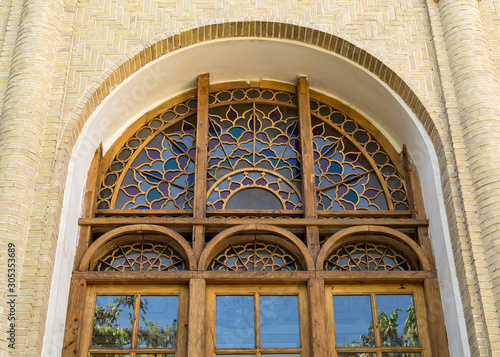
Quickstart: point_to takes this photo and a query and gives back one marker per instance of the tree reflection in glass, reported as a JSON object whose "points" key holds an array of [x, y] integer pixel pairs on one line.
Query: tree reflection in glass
{"points": [[158, 322], [397, 321], [113, 321], [235, 322], [353, 317]]}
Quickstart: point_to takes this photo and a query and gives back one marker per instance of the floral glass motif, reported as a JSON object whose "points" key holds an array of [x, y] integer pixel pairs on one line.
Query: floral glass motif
{"points": [[364, 256], [157, 136], [141, 256], [162, 175], [350, 165], [260, 143], [254, 256]]}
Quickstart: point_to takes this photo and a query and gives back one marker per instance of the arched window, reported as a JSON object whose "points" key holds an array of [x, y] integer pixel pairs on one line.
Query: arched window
{"points": [[240, 220]]}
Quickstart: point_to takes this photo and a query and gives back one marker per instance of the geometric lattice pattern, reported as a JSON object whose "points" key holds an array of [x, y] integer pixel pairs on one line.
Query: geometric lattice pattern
{"points": [[162, 174], [145, 136], [141, 256], [365, 256], [254, 135], [360, 171], [254, 256]]}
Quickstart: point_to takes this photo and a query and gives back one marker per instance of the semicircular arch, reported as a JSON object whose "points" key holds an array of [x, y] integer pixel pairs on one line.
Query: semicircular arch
{"points": [[111, 240], [391, 236]]}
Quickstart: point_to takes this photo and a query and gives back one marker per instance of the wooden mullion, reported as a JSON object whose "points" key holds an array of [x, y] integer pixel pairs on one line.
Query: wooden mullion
{"points": [[89, 205], [200, 187], [74, 318], [257, 321], [317, 318], [135, 321], [435, 319], [196, 318], [376, 330]]}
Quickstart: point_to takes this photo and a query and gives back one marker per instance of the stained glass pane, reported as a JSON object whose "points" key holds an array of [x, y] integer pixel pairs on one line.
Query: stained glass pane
{"points": [[162, 174], [397, 320], [113, 321], [279, 322], [257, 145], [158, 322], [353, 321], [234, 323]]}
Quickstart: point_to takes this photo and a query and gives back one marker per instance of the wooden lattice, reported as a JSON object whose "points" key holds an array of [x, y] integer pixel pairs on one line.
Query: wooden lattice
{"points": [[350, 165], [365, 256], [141, 256], [254, 256]]}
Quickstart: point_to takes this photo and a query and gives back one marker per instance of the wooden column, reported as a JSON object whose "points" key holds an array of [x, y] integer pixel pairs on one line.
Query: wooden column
{"points": [[89, 205], [196, 317], [200, 186], [317, 303], [74, 317], [435, 318], [307, 159]]}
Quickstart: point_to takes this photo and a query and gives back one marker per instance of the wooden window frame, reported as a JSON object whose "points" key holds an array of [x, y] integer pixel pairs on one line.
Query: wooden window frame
{"points": [[214, 290], [373, 290], [136, 290], [197, 283]]}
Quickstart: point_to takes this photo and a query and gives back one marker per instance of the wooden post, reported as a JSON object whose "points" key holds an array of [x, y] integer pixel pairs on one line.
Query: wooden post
{"points": [[435, 318], [317, 303], [74, 317], [308, 184], [200, 186], [89, 205], [196, 317]]}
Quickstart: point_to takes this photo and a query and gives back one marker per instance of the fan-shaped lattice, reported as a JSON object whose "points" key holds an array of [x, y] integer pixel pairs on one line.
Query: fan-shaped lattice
{"points": [[254, 256], [367, 256], [141, 256]]}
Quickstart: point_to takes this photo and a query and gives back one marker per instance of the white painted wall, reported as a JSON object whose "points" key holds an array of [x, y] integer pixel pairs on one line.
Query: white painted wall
{"points": [[250, 59]]}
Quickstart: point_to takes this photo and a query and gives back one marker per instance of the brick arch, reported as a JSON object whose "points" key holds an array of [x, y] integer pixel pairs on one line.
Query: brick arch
{"points": [[326, 39]]}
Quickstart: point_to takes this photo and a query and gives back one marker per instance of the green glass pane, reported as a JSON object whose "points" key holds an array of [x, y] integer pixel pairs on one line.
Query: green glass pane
{"points": [[401, 354], [235, 322], [353, 321], [397, 320], [113, 321], [158, 322]]}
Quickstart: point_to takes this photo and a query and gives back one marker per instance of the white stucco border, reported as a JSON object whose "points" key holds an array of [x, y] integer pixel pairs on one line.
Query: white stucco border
{"points": [[250, 59]]}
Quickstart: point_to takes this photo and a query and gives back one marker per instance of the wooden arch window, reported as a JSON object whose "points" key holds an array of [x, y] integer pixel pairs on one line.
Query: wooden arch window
{"points": [[236, 201]]}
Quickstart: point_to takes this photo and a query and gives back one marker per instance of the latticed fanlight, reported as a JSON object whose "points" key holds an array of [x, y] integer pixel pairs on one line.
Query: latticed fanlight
{"points": [[141, 256], [366, 256], [253, 159], [254, 256]]}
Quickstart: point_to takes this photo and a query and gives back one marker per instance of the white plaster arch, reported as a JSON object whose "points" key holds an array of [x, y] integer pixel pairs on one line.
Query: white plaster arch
{"points": [[251, 59]]}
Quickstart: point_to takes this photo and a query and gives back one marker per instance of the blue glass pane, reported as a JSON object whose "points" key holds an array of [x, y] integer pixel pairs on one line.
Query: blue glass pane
{"points": [[254, 198], [397, 320], [234, 323], [279, 322], [158, 322], [353, 321], [113, 321]]}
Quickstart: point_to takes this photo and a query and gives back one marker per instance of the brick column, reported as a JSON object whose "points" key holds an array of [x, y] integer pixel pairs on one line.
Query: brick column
{"points": [[22, 126], [478, 98]]}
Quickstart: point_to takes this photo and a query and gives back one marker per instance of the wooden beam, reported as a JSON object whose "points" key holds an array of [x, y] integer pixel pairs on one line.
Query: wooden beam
{"points": [[317, 318], [226, 222], [74, 317], [196, 317], [200, 186]]}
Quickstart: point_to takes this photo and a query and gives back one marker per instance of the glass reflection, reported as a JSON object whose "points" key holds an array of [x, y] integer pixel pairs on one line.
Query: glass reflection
{"points": [[158, 322], [254, 198], [156, 355], [401, 354], [279, 322], [112, 322], [234, 323], [356, 354], [353, 321], [108, 355], [397, 320]]}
